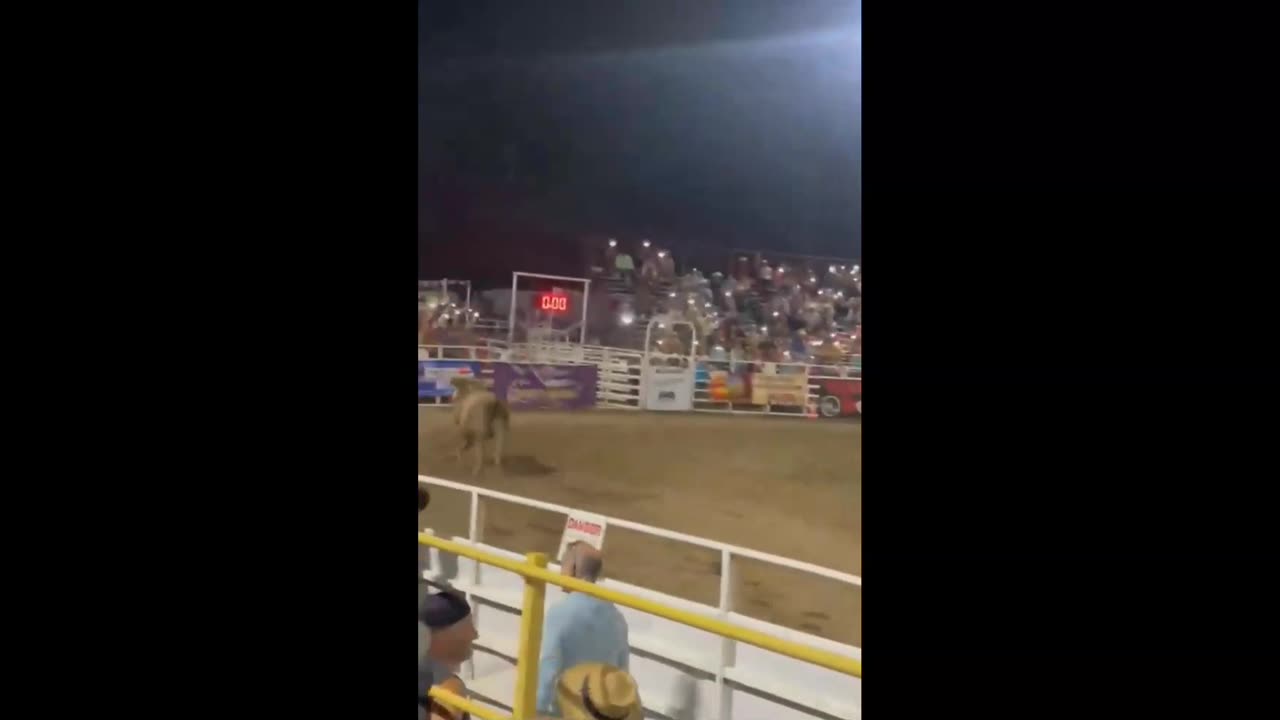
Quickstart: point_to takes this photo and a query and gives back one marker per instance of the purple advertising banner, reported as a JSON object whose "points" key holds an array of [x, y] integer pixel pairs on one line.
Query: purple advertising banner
{"points": [[545, 387]]}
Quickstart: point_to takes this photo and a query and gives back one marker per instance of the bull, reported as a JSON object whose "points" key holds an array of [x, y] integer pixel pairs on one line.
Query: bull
{"points": [[480, 415]]}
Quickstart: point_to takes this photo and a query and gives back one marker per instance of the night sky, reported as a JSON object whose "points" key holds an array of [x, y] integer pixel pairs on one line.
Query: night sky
{"points": [[703, 125]]}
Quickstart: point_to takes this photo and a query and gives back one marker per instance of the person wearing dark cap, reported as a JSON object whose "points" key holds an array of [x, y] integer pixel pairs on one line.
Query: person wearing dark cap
{"points": [[445, 636]]}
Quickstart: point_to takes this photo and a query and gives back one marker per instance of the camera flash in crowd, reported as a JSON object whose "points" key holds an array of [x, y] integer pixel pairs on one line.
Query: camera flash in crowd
{"points": [[645, 243], [627, 317], [613, 243]]}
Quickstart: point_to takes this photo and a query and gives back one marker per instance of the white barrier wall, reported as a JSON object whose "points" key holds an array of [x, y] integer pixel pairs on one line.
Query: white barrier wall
{"points": [[682, 672], [620, 376]]}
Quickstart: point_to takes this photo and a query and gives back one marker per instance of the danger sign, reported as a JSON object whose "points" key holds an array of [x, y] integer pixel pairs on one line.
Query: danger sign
{"points": [[582, 527]]}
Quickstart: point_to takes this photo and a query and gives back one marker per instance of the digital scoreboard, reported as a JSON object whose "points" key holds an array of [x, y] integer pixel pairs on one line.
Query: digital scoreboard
{"points": [[551, 302]]}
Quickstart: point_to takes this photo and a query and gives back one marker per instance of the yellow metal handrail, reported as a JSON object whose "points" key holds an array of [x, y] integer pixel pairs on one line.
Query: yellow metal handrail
{"points": [[534, 571], [457, 702]]}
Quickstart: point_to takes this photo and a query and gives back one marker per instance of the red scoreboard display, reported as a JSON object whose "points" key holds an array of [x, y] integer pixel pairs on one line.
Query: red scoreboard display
{"points": [[551, 302]]}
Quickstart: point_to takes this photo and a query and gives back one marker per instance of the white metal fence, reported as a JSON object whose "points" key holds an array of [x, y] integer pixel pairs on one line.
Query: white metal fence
{"points": [[678, 667], [620, 374]]}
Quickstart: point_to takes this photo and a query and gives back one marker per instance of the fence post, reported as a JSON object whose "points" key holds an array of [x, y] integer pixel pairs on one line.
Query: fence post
{"points": [[535, 594], [728, 647]]}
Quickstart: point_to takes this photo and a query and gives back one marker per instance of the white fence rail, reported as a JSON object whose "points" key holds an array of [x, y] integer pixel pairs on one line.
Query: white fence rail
{"points": [[684, 672], [619, 382]]}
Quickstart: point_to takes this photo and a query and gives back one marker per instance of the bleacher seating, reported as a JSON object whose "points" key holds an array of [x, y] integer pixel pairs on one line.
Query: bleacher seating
{"points": [[827, 305]]}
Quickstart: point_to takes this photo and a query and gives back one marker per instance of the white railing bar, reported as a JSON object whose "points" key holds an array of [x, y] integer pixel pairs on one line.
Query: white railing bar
{"points": [[651, 530], [638, 355]]}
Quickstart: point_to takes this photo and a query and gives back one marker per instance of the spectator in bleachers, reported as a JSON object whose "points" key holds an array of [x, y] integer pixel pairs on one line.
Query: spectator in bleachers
{"points": [[650, 271], [597, 691], [580, 629], [666, 265], [625, 266], [445, 636], [610, 255], [799, 346]]}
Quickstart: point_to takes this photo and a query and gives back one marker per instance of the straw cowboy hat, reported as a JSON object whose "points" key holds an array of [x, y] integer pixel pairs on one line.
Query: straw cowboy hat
{"points": [[593, 691]]}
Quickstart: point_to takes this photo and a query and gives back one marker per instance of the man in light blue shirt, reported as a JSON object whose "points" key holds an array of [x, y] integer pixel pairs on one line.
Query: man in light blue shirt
{"points": [[580, 629]]}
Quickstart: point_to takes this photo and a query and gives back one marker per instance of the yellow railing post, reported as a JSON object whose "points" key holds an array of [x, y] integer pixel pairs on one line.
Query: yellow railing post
{"points": [[535, 596]]}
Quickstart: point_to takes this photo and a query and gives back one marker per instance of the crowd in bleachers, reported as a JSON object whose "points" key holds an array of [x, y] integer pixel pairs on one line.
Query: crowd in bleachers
{"points": [[756, 308], [804, 310]]}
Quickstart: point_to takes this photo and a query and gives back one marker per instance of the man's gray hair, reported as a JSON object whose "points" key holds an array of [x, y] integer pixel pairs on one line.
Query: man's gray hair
{"points": [[588, 563]]}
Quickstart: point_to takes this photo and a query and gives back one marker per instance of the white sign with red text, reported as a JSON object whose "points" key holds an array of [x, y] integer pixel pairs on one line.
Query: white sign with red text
{"points": [[584, 527]]}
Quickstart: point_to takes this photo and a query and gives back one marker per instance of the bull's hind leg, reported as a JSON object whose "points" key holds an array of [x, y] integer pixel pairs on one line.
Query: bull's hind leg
{"points": [[466, 444], [479, 464], [499, 434]]}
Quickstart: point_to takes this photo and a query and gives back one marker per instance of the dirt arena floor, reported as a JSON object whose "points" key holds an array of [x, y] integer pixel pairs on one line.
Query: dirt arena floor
{"points": [[780, 485]]}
